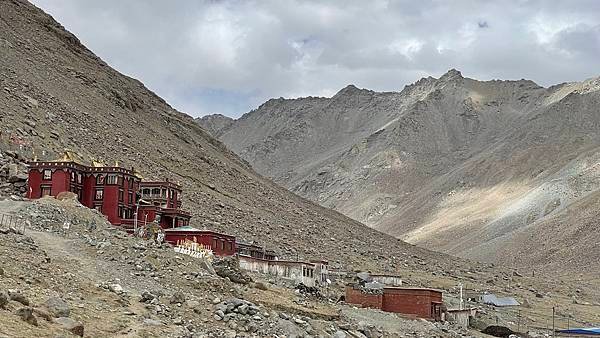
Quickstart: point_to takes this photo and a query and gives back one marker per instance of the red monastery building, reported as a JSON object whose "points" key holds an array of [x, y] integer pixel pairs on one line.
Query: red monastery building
{"points": [[112, 190], [161, 201]]}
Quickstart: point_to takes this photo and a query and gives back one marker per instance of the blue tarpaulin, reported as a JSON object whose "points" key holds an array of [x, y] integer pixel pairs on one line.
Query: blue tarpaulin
{"points": [[592, 331]]}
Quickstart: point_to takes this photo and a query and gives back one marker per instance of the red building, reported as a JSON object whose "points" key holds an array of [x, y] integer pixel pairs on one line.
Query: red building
{"points": [[110, 190], [161, 201], [220, 244], [419, 302]]}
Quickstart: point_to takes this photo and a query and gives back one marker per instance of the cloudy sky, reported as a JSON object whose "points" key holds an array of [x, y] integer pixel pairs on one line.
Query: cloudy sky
{"points": [[230, 56]]}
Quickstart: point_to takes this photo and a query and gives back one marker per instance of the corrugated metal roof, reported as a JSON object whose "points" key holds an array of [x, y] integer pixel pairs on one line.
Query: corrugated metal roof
{"points": [[503, 301]]}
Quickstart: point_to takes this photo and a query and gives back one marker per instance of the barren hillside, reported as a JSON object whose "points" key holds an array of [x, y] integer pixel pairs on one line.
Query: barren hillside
{"points": [[55, 94], [479, 169]]}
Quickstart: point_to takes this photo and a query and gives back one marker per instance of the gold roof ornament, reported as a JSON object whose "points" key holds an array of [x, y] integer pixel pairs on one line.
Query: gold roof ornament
{"points": [[97, 164], [137, 174], [69, 156]]}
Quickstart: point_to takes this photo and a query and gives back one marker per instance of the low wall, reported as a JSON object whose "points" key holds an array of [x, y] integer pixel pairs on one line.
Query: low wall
{"points": [[390, 280]]}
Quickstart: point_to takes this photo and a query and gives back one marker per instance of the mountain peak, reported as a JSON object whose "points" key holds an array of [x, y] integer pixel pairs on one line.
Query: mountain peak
{"points": [[452, 74], [348, 90]]}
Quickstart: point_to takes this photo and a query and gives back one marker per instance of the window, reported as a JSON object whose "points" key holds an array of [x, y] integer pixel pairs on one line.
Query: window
{"points": [[156, 192], [79, 178], [99, 194], [46, 191], [230, 246], [112, 179], [214, 244], [73, 177], [121, 195], [146, 191], [222, 245], [100, 179], [47, 174], [130, 196], [121, 213], [163, 193]]}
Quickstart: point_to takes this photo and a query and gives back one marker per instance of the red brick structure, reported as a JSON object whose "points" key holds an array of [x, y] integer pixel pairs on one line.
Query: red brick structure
{"points": [[110, 190], [220, 244], [420, 302]]}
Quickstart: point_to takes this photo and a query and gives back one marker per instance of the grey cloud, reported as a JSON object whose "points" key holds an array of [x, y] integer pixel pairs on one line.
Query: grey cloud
{"points": [[230, 56]]}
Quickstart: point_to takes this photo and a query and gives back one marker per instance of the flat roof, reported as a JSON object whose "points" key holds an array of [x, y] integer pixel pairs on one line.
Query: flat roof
{"points": [[81, 167], [412, 288], [282, 262]]}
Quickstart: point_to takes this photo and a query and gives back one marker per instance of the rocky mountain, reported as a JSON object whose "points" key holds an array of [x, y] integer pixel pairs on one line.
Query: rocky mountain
{"points": [[501, 171], [65, 269], [215, 123]]}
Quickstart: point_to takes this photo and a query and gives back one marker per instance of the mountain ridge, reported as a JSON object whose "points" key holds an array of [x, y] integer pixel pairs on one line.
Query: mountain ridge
{"points": [[392, 160]]}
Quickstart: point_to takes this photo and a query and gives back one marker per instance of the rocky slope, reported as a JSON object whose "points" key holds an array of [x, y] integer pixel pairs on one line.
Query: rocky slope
{"points": [[480, 169]]}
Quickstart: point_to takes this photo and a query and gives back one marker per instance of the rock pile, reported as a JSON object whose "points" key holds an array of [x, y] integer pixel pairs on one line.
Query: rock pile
{"points": [[229, 267], [13, 175]]}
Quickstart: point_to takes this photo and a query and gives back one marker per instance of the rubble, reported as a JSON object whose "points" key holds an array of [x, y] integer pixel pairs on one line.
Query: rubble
{"points": [[228, 267]]}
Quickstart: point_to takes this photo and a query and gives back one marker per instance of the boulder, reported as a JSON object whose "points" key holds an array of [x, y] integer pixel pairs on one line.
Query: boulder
{"points": [[3, 300], [178, 297], [26, 315], [58, 307], [18, 297], [70, 325], [66, 195], [42, 313], [147, 296]]}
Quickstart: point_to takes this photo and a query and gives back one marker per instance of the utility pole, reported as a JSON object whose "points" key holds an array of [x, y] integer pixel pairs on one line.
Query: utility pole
{"points": [[460, 304], [553, 312], [519, 321]]}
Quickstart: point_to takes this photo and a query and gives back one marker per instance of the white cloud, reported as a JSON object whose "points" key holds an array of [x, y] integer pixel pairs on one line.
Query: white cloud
{"points": [[230, 56]]}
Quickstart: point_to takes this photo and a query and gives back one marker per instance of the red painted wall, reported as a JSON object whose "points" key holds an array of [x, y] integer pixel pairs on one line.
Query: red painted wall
{"points": [[35, 182], [354, 296], [416, 302], [110, 203], [89, 182], [60, 181]]}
